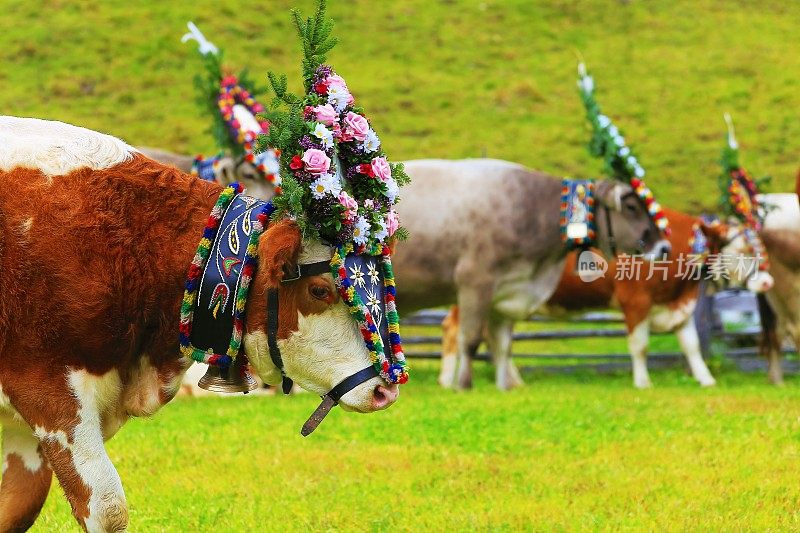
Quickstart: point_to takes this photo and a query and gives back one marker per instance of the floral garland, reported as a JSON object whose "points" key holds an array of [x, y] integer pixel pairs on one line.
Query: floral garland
{"points": [[620, 162], [392, 372], [742, 197], [577, 207], [232, 93], [195, 273], [268, 164]]}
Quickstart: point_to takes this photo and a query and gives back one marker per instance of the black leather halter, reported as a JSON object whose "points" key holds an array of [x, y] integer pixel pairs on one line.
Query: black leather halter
{"points": [[333, 396], [612, 241]]}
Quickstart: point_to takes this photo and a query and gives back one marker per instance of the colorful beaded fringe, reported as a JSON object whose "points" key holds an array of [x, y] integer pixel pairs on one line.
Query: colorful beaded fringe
{"points": [[394, 370]]}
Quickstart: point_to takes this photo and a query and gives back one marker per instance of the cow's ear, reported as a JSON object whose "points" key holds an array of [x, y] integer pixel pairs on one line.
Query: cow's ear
{"points": [[278, 251], [610, 193]]}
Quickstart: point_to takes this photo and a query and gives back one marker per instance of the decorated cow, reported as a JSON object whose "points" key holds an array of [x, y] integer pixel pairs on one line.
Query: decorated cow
{"points": [[118, 272]]}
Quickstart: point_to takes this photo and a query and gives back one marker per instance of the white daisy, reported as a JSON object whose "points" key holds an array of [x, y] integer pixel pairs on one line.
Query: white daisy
{"points": [[371, 142], [613, 131], [624, 151], [372, 272], [392, 190], [619, 140], [325, 135], [639, 171], [604, 121], [361, 231], [382, 233], [357, 276], [338, 97], [325, 184]]}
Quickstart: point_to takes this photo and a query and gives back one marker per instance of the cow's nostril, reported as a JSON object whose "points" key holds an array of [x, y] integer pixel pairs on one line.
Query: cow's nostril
{"points": [[383, 397]]}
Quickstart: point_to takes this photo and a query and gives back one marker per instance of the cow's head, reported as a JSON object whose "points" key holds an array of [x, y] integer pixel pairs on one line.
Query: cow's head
{"points": [[732, 255], [320, 343], [622, 216]]}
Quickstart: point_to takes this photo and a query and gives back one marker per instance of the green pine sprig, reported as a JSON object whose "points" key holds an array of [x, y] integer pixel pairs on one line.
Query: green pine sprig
{"points": [[607, 141]]}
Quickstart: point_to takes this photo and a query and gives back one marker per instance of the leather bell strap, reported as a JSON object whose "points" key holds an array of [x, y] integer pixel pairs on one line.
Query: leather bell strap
{"points": [[330, 400]]}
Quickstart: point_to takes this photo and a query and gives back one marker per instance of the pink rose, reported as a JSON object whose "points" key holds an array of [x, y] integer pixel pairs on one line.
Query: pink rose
{"points": [[335, 79], [392, 222], [316, 161], [350, 206], [381, 168], [326, 114], [356, 125]]}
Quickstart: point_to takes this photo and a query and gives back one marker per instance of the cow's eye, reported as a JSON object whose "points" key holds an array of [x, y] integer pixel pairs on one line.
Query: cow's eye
{"points": [[319, 292]]}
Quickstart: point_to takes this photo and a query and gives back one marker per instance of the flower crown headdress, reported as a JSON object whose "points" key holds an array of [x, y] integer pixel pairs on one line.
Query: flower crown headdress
{"points": [[619, 161], [738, 190], [230, 100], [738, 194], [339, 185]]}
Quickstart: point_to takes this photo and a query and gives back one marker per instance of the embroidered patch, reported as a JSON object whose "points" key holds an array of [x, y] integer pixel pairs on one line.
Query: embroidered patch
{"points": [[577, 213], [210, 330]]}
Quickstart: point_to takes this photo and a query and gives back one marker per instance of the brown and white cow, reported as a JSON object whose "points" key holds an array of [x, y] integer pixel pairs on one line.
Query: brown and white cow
{"points": [[661, 302], [95, 244]]}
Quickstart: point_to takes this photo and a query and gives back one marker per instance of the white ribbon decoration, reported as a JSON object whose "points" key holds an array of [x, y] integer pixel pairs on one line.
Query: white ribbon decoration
{"points": [[204, 45]]}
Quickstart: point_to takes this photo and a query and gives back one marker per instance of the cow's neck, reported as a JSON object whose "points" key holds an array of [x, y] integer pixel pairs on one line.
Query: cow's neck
{"points": [[541, 223]]}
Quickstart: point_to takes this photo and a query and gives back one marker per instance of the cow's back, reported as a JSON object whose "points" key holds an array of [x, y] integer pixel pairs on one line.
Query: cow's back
{"points": [[468, 218], [96, 240]]}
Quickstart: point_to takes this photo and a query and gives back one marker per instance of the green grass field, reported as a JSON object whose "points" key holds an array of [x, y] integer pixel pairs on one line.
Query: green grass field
{"points": [[563, 453], [444, 78], [451, 79]]}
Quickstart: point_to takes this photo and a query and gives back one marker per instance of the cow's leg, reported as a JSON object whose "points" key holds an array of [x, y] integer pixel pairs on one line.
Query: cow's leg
{"points": [[26, 479], [501, 332], [450, 327], [514, 377], [473, 308], [690, 344], [89, 479], [775, 367], [638, 339], [70, 429]]}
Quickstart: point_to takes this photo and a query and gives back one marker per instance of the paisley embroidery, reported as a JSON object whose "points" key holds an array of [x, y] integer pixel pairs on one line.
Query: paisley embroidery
{"points": [[233, 239], [228, 263], [219, 299]]}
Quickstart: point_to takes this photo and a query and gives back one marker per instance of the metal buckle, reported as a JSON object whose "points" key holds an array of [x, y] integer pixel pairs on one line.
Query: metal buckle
{"points": [[298, 276]]}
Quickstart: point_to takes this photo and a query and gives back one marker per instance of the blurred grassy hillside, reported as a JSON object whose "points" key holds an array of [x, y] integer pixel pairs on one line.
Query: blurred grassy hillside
{"points": [[443, 78]]}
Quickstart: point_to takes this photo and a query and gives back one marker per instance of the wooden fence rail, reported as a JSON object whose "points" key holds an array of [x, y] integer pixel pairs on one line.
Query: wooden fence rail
{"points": [[745, 358]]}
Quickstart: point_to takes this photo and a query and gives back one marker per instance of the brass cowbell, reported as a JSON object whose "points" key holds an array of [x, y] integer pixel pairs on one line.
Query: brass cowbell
{"points": [[235, 378]]}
